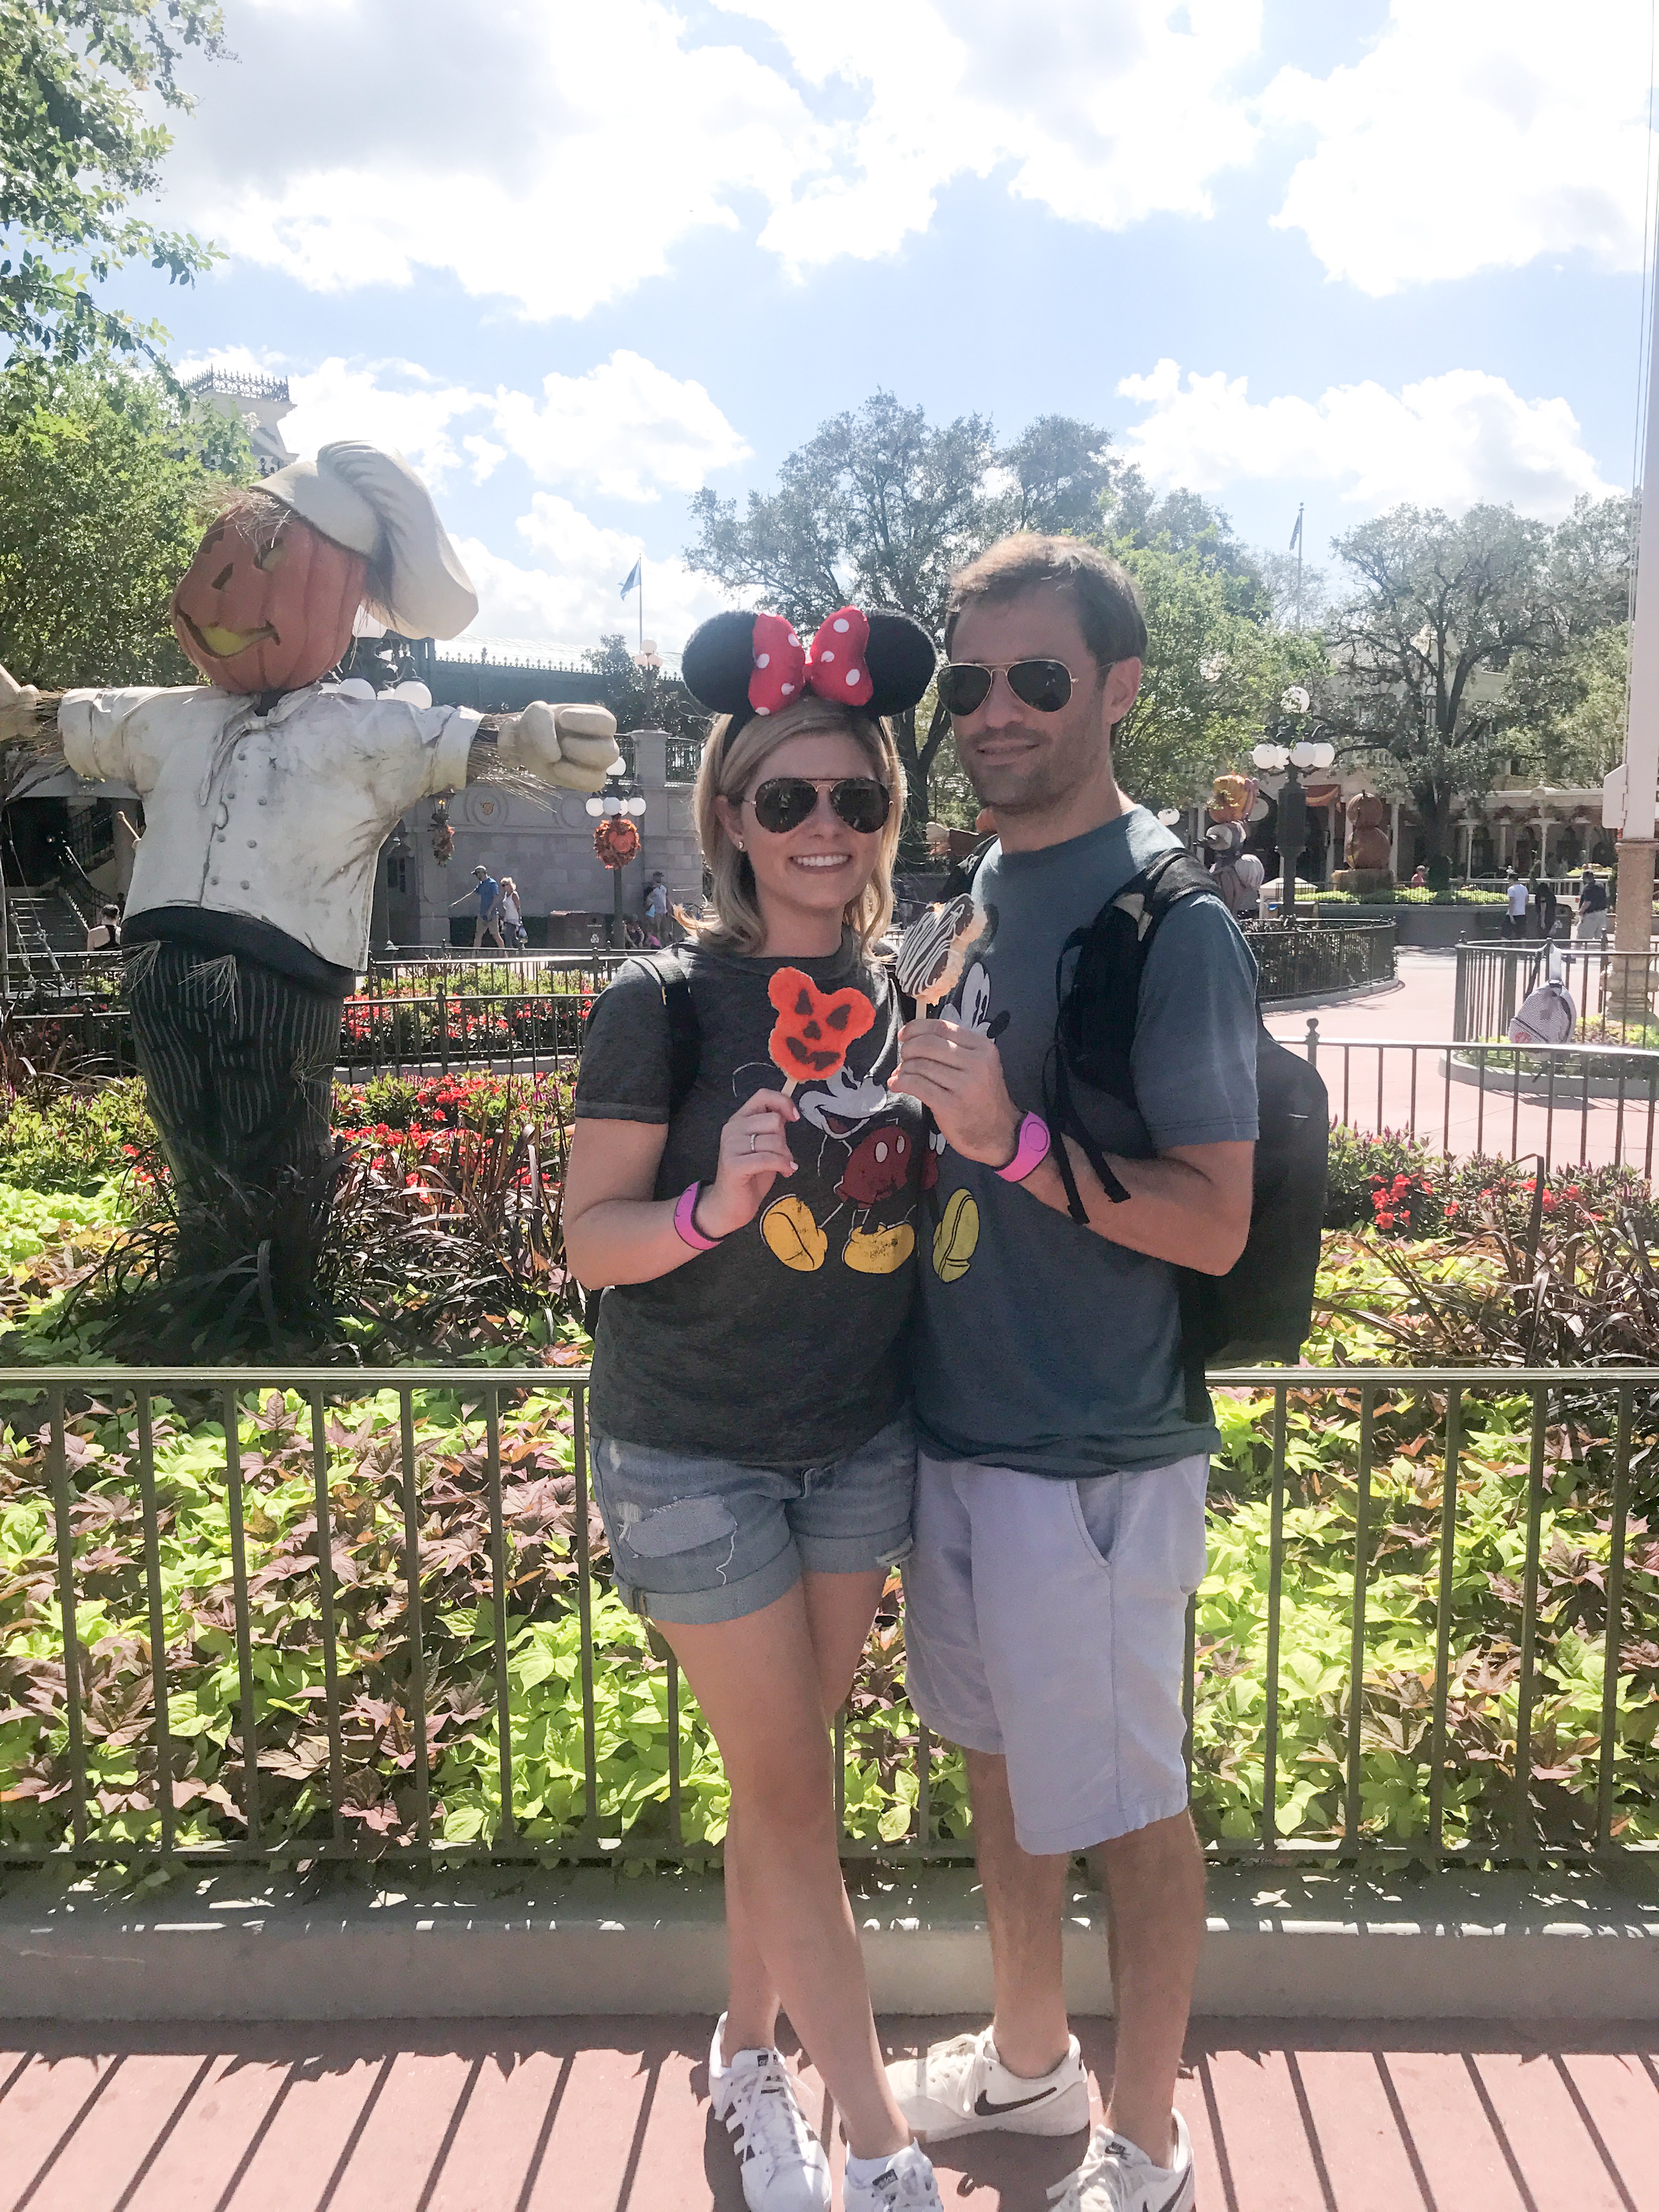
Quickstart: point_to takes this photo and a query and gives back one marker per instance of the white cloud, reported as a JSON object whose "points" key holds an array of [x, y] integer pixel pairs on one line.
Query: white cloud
{"points": [[623, 429], [1473, 137], [573, 600], [1447, 441], [555, 154]]}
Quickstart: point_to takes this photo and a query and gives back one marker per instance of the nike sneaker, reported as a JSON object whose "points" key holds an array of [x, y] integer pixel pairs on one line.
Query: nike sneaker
{"points": [[1117, 2176], [961, 2088], [781, 2160]]}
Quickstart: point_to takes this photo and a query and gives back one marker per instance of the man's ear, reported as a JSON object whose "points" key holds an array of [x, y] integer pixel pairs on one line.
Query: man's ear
{"points": [[1122, 682]]}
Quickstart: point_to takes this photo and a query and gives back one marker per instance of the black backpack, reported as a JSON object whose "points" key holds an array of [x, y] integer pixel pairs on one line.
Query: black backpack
{"points": [[1262, 1307]]}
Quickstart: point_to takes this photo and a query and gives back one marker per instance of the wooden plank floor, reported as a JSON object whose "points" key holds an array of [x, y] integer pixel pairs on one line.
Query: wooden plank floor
{"points": [[612, 2116]]}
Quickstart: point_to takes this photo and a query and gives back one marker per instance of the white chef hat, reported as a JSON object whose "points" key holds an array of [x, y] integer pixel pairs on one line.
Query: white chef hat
{"points": [[374, 503]]}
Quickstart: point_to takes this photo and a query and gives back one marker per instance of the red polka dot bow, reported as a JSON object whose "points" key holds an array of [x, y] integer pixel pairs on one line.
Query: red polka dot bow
{"points": [[835, 664]]}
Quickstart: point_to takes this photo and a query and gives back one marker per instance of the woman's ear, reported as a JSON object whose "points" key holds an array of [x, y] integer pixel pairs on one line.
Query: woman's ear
{"points": [[730, 818]]}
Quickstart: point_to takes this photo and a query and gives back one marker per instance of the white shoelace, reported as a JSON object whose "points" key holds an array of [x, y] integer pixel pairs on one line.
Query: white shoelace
{"points": [[909, 2184], [764, 2119]]}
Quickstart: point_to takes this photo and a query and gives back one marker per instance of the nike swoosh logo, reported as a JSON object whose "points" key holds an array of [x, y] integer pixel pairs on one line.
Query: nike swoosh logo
{"points": [[1170, 2202], [986, 2110]]}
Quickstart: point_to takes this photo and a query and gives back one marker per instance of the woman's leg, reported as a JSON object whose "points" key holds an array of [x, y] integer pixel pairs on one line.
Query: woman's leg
{"points": [[758, 1681], [839, 1610]]}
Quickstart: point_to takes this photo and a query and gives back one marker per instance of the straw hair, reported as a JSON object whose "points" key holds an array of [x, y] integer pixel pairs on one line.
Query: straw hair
{"points": [[730, 769]]}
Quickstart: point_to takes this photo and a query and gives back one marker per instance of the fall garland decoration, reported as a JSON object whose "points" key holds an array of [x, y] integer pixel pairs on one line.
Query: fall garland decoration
{"points": [[617, 840]]}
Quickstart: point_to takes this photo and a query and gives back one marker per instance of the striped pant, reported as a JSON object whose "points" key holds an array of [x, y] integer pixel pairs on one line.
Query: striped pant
{"points": [[238, 1063]]}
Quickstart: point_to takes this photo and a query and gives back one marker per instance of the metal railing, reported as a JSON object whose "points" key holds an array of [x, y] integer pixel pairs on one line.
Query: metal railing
{"points": [[1586, 1105], [1615, 988], [1531, 1737], [1305, 960]]}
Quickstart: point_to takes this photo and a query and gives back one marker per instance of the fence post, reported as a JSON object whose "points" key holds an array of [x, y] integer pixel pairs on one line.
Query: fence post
{"points": [[1313, 1041]]}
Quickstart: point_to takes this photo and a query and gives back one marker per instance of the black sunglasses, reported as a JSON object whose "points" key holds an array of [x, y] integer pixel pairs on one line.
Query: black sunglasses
{"points": [[782, 803], [965, 685]]}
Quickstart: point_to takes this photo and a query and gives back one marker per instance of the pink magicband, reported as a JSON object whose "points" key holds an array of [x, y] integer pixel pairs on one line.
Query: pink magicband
{"points": [[685, 1226], [1030, 1151]]}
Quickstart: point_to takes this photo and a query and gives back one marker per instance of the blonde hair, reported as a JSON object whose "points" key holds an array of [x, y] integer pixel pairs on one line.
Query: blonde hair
{"points": [[734, 923]]}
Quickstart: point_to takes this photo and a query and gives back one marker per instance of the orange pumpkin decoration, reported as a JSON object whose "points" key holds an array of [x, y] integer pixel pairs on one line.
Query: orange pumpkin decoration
{"points": [[267, 603], [617, 840], [814, 1028]]}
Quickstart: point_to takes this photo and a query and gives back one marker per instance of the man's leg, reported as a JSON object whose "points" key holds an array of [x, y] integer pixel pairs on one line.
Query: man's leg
{"points": [[1154, 1884], [1022, 1897]]}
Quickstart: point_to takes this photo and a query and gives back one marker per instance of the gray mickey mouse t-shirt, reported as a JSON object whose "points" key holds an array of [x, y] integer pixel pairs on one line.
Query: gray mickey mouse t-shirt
{"points": [[1041, 1346], [788, 1344]]}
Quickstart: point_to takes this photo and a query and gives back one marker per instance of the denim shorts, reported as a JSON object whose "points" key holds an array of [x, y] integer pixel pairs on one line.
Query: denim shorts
{"points": [[700, 1540]]}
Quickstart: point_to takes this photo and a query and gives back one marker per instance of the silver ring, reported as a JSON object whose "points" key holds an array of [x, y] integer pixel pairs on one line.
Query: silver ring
{"points": [[754, 1135]]}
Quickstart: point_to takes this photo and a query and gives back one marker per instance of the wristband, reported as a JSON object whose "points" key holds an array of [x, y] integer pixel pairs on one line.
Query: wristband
{"points": [[685, 1221], [1030, 1150]]}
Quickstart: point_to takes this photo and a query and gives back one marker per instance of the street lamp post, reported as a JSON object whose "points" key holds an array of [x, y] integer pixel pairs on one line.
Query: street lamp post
{"points": [[1284, 751], [626, 798]]}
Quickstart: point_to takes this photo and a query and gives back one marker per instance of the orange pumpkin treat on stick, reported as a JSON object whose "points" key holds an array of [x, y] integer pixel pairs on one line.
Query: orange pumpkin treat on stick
{"points": [[814, 1028]]}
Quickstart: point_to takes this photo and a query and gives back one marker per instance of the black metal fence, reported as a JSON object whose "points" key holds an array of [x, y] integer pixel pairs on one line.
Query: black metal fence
{"points": [[1613, 991], [1430, 1633], [1307, 960]]}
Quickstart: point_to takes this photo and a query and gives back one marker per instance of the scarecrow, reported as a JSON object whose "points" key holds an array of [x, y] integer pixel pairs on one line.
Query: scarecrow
{"points": [[269, 792]]}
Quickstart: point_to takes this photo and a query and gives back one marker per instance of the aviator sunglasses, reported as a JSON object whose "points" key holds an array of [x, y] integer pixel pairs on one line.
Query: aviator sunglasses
{"points": [[782, 803], [965, 685]]}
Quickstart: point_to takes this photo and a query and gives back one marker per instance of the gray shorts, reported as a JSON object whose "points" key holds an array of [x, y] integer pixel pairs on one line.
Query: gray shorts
{"points": [[1045, 1620], [706, 1540]]}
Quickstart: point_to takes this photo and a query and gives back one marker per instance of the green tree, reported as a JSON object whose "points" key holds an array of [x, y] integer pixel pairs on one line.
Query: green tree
{"points": [[103, 475], [1456, 652], [641, 698], [76, 152], [1185, 522], [880, 507]]}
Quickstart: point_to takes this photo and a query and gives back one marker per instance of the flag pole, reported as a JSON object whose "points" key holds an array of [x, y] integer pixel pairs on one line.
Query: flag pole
{"points": [[1299, 563], [642, 602]]}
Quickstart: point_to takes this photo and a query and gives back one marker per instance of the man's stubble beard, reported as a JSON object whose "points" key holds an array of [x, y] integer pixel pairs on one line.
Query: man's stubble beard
{"points": [[1054, 777]]}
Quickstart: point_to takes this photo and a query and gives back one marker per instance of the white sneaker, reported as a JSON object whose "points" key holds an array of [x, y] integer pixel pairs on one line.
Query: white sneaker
{"points": [[1117, 2176], [905, 2184], [961, 2088], [782, 2161]]}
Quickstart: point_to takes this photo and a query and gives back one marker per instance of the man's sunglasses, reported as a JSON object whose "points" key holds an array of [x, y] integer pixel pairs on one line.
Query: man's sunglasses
{"points": [[965, 685], [782, 803]]}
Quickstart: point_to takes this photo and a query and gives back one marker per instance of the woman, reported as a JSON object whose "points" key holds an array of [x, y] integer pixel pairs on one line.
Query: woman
{"points": [[753, 1456], [509, 913]]}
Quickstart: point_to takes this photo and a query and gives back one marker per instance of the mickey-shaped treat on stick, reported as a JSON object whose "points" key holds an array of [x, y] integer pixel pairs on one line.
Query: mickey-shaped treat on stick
{"points": [[268, 794]]}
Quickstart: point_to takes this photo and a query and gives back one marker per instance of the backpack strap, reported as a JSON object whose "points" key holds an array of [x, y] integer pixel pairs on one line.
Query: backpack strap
{"points": [[684, 1032], [962, 872]]}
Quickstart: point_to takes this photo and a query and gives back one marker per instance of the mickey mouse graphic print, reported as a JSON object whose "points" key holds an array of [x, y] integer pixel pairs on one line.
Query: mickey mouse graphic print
{"points": [[793, 1331]]}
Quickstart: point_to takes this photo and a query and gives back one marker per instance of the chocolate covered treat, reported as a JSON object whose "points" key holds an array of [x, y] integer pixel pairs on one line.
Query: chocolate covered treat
{"points": [[933, 951]]}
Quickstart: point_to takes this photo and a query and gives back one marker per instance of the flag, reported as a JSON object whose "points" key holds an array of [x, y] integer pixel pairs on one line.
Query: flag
{"points": [[633, 580], [1295, 535]]}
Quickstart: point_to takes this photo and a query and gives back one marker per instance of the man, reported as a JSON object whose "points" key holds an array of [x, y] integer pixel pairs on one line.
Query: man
{"points": [[488, 893], [656, 910], [1518, 897], [1592, 927], [1060, 1507]]}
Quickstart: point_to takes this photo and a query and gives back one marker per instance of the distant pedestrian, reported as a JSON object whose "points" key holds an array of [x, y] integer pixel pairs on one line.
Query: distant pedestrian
{"points": [[1519, 899], [1592, 928], [105, 935], [486, 894], [509, 915], [1544, 892], [656, 911], [1419, 879]]}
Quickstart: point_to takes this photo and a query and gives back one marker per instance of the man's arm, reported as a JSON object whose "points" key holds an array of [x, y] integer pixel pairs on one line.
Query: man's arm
{"points": [[1190, 1204]]}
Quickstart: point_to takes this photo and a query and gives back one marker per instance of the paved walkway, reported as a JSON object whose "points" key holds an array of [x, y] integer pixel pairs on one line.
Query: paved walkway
{"points": [[1376, 1082], [612, 2116]]}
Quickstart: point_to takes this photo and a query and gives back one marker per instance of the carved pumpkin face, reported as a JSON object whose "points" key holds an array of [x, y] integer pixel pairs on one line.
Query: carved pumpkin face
{"points": [[267, 606]]}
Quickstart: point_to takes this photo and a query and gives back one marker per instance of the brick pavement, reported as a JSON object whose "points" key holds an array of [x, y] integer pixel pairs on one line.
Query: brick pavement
{"points": [[612, 2116]]}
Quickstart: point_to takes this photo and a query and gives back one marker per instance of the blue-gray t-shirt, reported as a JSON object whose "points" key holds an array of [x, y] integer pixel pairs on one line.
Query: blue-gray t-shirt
{"points": [[1042, 1345]]}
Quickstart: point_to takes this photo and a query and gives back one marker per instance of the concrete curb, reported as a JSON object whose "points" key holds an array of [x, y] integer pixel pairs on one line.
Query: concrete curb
{"points": [[233, 1946]]}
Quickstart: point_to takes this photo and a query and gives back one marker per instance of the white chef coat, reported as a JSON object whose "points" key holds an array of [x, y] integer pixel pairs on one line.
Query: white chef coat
{"points": [[278, 816]]}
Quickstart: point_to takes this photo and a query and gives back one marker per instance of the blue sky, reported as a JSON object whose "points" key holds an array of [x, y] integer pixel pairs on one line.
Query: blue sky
{"points": [[577, 260]]}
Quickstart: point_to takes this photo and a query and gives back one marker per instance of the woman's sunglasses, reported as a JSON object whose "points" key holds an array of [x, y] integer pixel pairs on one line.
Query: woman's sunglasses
{"points": [[965, 685], [782, 803]]}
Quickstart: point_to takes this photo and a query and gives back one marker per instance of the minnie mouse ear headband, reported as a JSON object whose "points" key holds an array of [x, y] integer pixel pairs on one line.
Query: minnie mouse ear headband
{"points": [[743, 664]]}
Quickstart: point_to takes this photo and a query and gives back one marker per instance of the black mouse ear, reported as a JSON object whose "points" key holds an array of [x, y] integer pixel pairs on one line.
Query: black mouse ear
{"points": [[901, 659], [719, 660]]}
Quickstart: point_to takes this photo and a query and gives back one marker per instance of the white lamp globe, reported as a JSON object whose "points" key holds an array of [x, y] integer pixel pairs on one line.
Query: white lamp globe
{"points": [[618, 768], [635, 806], [1304, 754], [1269, 757], [1296, 700], [611, 804], [1323, 754], [596, 805], [1168, 815]]}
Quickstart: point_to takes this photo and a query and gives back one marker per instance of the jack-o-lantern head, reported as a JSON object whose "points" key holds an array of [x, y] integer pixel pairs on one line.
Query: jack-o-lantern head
{"points": [[267, 603]]}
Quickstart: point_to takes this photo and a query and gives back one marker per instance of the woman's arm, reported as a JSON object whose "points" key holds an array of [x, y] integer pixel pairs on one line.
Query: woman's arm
{"points": [[616, 1232]]}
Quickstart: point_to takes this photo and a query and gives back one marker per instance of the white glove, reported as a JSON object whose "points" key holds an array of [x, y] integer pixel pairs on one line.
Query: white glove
{"points": [[569, 746], [20, 708]]}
